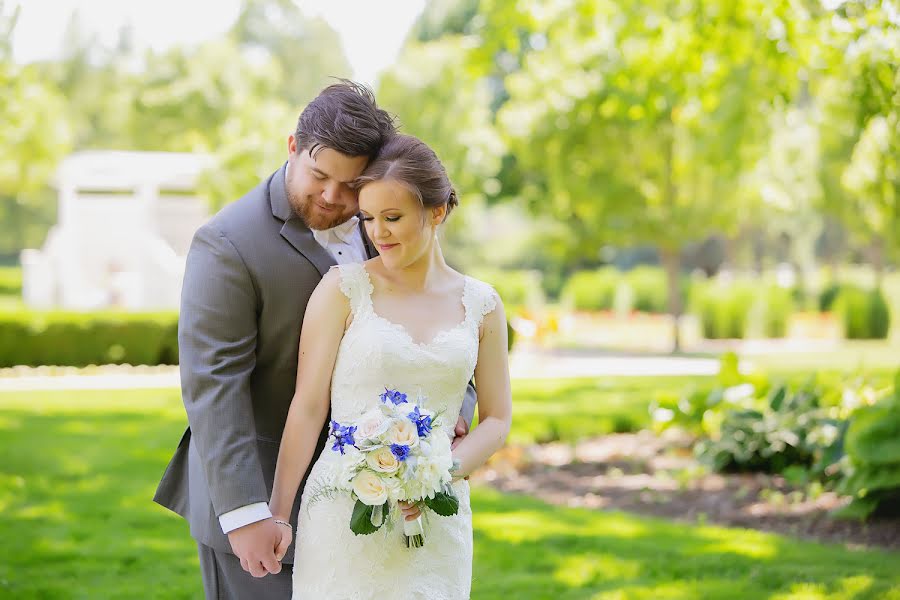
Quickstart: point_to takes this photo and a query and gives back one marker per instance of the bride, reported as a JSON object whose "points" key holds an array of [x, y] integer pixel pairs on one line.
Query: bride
{"points": [[405, 321]]}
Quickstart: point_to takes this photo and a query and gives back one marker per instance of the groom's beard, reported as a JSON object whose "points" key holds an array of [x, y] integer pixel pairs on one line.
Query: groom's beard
{"points": [[316, 218]]}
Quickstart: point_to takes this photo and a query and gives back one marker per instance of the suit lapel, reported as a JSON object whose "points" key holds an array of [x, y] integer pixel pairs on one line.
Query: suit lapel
{"points": [[294, 230], [367, 243]]}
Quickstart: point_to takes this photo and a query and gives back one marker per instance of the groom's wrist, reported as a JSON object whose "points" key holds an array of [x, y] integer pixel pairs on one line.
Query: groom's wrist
{"points": [[243, 516]]}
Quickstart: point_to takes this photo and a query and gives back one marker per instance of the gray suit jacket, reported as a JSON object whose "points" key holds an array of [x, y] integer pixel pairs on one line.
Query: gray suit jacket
{"points": [[250, 272]]}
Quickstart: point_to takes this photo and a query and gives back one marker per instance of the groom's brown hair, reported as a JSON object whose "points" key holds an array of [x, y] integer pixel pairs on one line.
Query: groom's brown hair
{"points": [[345, 118]]}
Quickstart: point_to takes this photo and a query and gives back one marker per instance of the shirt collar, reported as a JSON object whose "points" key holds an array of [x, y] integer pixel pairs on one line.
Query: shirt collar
{"points": [[339, 233]]}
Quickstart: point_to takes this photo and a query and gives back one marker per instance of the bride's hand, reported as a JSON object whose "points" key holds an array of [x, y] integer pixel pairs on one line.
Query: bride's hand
{"points": [[287, 535], [410, 510]]}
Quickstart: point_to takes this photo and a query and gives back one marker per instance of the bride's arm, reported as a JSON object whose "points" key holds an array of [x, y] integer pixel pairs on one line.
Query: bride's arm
{"points": [[494, 395], [320, 336]]}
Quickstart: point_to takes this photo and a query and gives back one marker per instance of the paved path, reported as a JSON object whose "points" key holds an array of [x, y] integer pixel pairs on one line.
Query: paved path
{"points": [[523, 365]]}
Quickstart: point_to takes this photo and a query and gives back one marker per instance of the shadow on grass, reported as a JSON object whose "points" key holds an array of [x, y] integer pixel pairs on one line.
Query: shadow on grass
{"points": [[545, 551]]}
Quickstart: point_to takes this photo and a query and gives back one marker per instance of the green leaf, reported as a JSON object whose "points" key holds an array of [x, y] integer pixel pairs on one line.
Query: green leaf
{"points": [[361, 520], [444, 504], [778, 398]]}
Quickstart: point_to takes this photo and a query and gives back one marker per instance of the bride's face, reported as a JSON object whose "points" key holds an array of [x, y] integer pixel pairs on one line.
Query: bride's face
{"points": [[396, 223]]}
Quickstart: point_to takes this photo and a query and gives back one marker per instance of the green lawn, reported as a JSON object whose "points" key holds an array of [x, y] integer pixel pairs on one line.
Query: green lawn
{"points": [[77, 521], [570, 409]]}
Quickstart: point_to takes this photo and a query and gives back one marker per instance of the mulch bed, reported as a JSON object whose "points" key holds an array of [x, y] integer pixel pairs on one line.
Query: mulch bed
{"points": [[658, 476]]}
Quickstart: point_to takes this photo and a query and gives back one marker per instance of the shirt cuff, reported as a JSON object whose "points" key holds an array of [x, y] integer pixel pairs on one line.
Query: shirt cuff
{"points": [[244, 515]]}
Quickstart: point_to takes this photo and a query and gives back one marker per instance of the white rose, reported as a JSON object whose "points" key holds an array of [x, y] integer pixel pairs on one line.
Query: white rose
{"points": [[372, 424], [369, 488], [383, 460], [403, 432]]}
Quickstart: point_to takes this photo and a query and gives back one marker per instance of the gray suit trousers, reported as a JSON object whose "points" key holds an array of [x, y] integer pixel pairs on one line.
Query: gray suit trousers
{"points": [[225, 579]]}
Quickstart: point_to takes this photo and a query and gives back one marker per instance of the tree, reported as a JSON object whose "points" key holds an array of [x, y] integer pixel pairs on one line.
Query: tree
{"points": [[633, 121], [34, 136], [860, 107]]}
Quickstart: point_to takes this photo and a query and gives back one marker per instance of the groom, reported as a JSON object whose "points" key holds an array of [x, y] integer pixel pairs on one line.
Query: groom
{"points": [[250, 272]]}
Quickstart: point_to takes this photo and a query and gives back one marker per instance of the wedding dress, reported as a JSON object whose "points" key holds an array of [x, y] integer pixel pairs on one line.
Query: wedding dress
{"points": [[333, 563]]}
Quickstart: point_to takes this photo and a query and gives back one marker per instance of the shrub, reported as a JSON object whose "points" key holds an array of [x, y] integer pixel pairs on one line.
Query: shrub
{"points": [[10, 281], [864, 314], [777, 305], [648, 289], [79, 339], [593, 290], [828, 296], [723, 309], [871, 473], [516, 288]]}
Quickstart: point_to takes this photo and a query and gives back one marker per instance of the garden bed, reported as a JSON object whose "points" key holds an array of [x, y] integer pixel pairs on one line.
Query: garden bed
{"points": [[651, 475]]}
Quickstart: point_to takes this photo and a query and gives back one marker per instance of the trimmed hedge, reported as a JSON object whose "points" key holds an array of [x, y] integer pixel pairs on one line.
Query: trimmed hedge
{"points": [[10, 281], [516, 287], [78, 339], [648, 289], [723, 309], [593, 290], [864, 313]]}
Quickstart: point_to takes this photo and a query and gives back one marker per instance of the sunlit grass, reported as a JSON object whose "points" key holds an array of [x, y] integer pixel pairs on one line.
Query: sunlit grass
{"points": [[77, 521]]}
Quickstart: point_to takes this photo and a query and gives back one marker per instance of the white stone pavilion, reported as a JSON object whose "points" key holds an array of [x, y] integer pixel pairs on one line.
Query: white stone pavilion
{"points": [[125, 224]]}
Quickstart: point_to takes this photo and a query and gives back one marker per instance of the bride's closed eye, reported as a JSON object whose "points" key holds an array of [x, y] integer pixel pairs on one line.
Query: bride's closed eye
{"points": [[388, 219]]}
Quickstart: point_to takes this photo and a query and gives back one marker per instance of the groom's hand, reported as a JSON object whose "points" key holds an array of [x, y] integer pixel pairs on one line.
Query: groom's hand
{"points": [[255, 545], [461, 431]]}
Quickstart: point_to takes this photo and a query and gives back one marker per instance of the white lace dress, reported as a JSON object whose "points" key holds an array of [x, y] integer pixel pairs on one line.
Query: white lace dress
{"points": [[331, 562]]}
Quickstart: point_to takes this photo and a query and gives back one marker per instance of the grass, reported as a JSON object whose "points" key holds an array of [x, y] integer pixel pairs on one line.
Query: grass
{"points": [[571, 409], [77, 521]]}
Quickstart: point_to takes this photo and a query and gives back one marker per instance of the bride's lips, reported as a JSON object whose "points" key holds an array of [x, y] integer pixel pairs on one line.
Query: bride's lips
{"points": [[384, 247]]}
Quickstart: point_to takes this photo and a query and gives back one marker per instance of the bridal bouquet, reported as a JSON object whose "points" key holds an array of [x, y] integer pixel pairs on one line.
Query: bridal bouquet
{"points": [[391, 454]]}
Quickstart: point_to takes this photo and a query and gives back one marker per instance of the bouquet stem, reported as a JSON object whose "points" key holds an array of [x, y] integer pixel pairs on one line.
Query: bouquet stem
{"points": [[414, 533]]}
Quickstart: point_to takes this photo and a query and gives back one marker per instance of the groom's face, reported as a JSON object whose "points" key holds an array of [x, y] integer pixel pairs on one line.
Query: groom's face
{"points": [[318, 186]]}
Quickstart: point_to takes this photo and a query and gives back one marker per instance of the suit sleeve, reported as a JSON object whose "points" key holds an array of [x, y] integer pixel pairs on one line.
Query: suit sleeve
{"points": [[217, 333], [468, 405]]}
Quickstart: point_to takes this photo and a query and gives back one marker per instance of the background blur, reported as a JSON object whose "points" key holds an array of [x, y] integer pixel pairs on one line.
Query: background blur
{"points": [[691, 210]]}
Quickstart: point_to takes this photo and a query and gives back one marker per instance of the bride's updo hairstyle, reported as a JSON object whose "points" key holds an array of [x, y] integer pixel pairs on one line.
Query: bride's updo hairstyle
{"points": [[409, 161]]}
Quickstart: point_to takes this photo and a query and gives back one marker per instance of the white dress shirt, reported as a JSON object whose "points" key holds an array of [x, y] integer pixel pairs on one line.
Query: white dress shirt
{"points": [[345, 244]]}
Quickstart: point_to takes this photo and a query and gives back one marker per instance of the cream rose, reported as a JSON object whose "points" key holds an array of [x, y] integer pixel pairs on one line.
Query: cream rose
{"points": [[372, 424], [382, 460], [369, 488], [403, 432]]}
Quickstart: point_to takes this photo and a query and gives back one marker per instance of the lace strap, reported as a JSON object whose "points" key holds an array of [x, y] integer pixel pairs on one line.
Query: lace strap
{"points": [[478, 300], [356, 285]]}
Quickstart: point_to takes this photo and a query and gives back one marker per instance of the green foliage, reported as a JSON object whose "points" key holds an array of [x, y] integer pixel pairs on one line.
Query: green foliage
{"points": [[724, 309], [361, 519], [864, 313], [80, 339], [593, 290], [10, 281], [871, 473], [783, 429], [445, 504], [647, 289], [516, 288], [776, 306], [828, 297]]}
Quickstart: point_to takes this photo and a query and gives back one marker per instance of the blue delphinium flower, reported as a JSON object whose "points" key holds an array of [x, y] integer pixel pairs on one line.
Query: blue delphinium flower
{"points": [[423, 422], [343, 436], [400, 451], [393, 396]]}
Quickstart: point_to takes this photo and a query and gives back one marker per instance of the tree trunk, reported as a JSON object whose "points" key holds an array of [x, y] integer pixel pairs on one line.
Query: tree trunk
{"points": [[671, 259], [876, 258]]}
